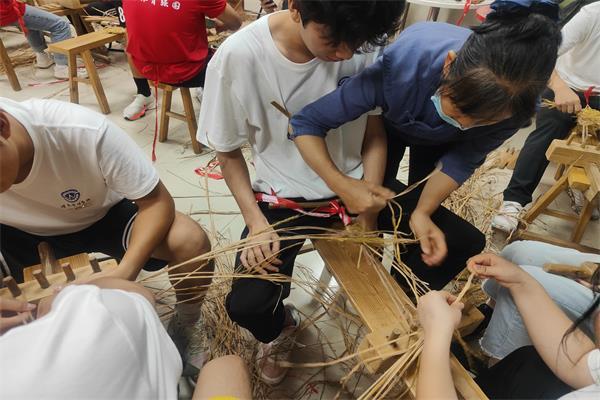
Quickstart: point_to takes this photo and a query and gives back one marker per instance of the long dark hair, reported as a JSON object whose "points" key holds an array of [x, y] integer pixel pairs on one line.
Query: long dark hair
{"points": [[504, 66], [595, 281]]}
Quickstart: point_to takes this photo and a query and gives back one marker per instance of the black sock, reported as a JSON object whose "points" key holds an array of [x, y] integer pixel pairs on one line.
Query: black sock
{"points": [[142, 86]]}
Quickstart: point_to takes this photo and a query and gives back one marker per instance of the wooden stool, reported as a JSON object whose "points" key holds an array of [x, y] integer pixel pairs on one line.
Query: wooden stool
{"points": [[583, 174], [189, 115], [8, 67], [82, 45]]}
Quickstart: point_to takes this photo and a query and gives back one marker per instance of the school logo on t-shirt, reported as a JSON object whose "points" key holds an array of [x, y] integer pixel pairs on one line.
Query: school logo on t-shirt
{"points": [[71, 195]]}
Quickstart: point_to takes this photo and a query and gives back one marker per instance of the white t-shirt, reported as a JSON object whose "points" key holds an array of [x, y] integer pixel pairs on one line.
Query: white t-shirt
{"points": [[94, 344], [592, 391], [245, 75], [82, 166], [579, 61]]}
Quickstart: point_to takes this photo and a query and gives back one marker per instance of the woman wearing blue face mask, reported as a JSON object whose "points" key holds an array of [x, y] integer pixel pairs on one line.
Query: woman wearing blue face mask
{"points": [[449, 93]]}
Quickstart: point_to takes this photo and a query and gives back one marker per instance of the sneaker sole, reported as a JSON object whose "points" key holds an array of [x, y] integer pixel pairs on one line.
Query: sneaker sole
{"points": [[137, 116], [267, 379], [43, 67]]}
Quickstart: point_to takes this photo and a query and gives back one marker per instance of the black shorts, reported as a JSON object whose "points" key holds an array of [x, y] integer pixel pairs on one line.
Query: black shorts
{"points": [[109, 235]]}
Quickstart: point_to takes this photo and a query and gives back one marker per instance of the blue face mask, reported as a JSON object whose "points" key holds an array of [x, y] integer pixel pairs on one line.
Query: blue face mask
{"points": [[437, 102]]}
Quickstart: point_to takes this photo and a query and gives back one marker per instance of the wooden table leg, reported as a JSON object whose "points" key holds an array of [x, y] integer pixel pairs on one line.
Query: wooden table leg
{"points": [[8, 67], [547, 198], [584, 218], [190, 116], [88, 60], [73, 88]]}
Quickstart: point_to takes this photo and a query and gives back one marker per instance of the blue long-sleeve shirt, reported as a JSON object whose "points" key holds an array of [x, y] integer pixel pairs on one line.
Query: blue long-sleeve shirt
{"points": [[402, 82]]}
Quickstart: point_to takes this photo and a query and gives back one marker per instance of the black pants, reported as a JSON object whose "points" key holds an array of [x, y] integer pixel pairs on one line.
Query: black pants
{"points": [[550, 124], [108, 235], [522, 375], [257, 305]]}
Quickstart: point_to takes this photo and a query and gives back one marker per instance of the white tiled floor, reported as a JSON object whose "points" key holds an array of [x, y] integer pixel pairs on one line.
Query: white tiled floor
{"points": [[176, 163]]}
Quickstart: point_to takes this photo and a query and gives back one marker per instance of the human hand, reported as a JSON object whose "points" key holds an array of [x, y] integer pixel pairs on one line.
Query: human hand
{"points": [[567, 100], [368, 221], [361, 197], [438, 313], [431, 238], [14, 313], [507, 274], [260, 252], [268, 6]]}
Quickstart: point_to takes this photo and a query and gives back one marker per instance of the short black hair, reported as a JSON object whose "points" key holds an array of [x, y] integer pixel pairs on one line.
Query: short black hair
{"points": [[356, 22], [504, 66]]}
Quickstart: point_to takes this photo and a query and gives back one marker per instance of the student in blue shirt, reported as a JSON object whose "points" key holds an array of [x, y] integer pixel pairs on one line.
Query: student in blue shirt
{"points": [[452, 95]]}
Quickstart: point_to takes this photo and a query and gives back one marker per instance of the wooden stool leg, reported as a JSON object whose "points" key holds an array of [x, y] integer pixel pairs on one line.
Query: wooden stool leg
{"points": [[165, 108], [547, 198], [584, 218], [190, 116], [560, 170], [8, 67], [73, 88], [88, 60]]}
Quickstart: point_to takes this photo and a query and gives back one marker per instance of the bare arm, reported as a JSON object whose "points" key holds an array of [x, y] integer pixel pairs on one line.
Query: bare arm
{"points": [[565, 98], [156, 212], [374, 154], [230, 18], [439, 315], [237, 177], [432, 240]]}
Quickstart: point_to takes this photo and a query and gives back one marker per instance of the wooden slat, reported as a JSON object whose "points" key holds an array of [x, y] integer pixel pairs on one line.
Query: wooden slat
{"points": [[526, 235], [76, 261], [8, 67]]}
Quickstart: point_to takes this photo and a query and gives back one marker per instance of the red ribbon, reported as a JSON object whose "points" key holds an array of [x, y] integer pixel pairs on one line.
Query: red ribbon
{"points": [[465, 12], [587, 94], [333, 208], [20, 18]]}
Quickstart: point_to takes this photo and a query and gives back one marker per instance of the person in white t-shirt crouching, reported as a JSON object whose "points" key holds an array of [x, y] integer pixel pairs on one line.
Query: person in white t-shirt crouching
{"points": [[70, 177], [102, 340]]}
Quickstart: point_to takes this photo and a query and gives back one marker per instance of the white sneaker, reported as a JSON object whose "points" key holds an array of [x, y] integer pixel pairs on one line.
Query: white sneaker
{"points": [[138, 107], [62, 72], [43, 60], [269, 355], [507, 219], [578, 201]]}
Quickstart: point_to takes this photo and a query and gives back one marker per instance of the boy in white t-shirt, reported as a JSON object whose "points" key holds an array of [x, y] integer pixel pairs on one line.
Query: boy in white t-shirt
{"points": [[70, 177], [102, 340], [293, 58]]}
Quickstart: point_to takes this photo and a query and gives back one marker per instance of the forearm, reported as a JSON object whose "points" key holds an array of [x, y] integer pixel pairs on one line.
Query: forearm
{"points": [[547, 324], [556, 83], [435, 379], [152, 223], [237, 177], [437, 188], [315, 153], [374, 151]]}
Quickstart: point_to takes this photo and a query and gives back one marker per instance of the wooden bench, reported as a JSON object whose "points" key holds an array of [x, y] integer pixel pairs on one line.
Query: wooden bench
{"points": [[189, 115], [9, 68], [82, 46], [367, 285]]}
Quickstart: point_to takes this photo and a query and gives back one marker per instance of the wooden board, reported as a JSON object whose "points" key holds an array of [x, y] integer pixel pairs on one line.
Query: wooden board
{"points": [[562, 153], [84, 42], [367, 284], [76, 261], [32, 292]]}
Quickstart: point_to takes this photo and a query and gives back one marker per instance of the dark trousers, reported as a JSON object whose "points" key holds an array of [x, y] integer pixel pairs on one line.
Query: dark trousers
{"points": [[257, 305], [522, 375], [550, 124]]}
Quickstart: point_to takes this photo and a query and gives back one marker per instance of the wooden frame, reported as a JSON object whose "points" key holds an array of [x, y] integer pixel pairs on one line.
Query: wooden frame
{"points": [[189, 115], [9, 68]]}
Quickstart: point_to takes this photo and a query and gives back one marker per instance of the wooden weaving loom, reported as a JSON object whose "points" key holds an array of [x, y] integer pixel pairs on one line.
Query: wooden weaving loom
{"points": [[39, 279], [373, 293]]}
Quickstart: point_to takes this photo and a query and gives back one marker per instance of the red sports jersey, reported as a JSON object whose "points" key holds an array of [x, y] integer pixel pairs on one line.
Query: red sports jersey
{"points": [[10, 11], [167, 38]]}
